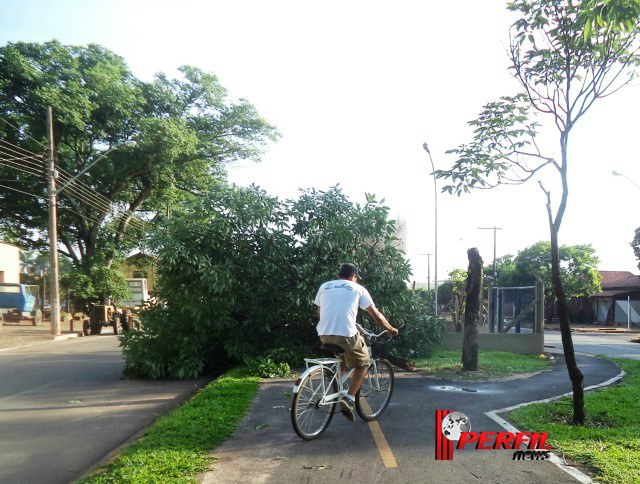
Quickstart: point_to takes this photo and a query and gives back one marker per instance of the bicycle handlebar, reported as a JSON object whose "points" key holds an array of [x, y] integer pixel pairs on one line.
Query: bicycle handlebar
{"points": [[371, 334]]}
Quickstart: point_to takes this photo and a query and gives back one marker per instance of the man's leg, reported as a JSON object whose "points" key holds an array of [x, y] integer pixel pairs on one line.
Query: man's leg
{"points": [[357, 379]]}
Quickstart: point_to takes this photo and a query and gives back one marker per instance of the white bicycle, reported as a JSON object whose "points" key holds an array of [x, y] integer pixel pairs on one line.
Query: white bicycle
{"points": [[320, 388]]}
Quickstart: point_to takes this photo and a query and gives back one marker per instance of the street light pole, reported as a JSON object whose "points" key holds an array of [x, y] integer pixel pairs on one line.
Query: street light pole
{"points": [[495, 268], [617, 173], [428, 270], [54, 295], [425, 146], [86, 168]]}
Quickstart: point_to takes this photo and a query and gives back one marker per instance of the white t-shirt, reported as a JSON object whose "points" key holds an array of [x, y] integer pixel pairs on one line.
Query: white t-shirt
{"points": [[339, 301]]}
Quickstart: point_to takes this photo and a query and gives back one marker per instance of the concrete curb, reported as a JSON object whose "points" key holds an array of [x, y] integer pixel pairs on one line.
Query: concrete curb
{"points": [[62, 337], [555, 459]]}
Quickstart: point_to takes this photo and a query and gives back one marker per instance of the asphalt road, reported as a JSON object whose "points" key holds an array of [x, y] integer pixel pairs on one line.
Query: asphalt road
{"points": [[348, 453], [610, 344], [63, 408]]}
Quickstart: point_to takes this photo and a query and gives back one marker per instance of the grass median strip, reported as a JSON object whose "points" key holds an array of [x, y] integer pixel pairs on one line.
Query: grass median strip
{"points": [[491, 364], [176, 446], [609, 443]]}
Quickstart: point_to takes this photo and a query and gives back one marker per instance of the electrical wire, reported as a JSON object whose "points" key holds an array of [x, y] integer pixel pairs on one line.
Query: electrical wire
{"points": [[76, 188], [20, 131], [87, 194], [11, 164], [95, 221], [64, 208], [23, 192]]}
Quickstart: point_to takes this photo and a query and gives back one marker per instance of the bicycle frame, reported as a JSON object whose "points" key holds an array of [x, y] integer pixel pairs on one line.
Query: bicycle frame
{"points": [[334, 366]]}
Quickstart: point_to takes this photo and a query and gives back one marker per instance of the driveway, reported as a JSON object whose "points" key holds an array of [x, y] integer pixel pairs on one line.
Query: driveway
{"points": [[349, 453], [63, 408]]}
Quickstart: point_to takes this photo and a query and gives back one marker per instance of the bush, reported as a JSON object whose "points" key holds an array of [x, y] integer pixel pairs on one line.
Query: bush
{"points": [[239, 270], [266, 368]]}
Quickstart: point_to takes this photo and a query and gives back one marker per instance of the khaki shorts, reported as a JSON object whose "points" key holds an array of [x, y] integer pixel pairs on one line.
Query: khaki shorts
{"points": [[356, 353]]}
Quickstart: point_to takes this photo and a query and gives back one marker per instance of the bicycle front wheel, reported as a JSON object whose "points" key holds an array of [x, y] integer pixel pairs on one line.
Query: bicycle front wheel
{"points": [[375, 392], [308, 417]]}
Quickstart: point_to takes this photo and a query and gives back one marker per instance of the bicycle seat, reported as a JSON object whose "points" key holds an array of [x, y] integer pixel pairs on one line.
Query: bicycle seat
{"points": [[333, 349]]}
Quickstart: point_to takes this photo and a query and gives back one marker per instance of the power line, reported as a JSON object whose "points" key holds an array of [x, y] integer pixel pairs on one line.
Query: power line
{"points": [[79, 189], [64, 208], [95, 221], [133, 221], [20, 150], [20, 131], [11, 164], [23, 192], [64, 176]]}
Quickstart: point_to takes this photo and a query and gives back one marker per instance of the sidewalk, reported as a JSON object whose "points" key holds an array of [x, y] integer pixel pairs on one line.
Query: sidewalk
{"points": [[595, 328], [15, 336], [265, 449]]}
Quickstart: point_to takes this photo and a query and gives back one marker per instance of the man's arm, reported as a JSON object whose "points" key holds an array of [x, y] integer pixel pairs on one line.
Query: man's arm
{"points": [[379, 318]]}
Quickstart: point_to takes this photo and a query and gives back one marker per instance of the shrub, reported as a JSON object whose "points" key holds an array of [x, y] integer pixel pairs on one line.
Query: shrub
{"points": [[239, 271], [266, 367]]}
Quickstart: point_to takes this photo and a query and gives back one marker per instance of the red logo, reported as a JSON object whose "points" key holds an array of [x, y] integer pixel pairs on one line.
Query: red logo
{"points": [[444, 446], [455, 426]]}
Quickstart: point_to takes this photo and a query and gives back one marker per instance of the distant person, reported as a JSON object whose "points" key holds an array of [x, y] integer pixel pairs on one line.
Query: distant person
{"points": [[124, 320], [338, 302]]}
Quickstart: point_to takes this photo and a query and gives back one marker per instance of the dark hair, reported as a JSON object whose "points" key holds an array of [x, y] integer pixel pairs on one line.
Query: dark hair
{"points": [[348, 270]]}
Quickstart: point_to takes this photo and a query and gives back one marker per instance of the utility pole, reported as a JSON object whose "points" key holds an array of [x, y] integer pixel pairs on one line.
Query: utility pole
{"points": [[495, 269], [54, 295], [425, 146], [428, 270]]}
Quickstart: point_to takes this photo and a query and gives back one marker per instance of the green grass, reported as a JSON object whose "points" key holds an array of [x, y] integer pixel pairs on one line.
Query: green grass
{"points": [[176, 446], [609, 443], [491, 364]]}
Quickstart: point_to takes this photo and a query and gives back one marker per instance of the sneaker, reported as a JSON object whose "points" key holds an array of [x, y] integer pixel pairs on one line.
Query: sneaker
{"points": [[347, 403]]}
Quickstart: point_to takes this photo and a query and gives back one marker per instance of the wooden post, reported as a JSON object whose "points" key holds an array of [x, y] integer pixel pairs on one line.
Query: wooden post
{"points": [[54, 295], [471, 311]]}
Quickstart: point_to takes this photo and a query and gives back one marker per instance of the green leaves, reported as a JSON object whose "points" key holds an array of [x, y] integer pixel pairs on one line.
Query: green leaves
{"points": [[502, 148], [578, 269], [239, 271], [187, 129]]}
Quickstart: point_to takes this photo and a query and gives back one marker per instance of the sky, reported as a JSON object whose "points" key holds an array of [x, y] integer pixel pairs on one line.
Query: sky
{"points": [[355, 88]]}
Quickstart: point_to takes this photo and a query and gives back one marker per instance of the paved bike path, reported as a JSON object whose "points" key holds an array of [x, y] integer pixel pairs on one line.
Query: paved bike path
{"points": [[347, 452]]}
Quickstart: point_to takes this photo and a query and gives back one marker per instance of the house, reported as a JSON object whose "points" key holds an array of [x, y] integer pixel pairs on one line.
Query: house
{"points": [[140, 265], [9, 263], [620, 295]]}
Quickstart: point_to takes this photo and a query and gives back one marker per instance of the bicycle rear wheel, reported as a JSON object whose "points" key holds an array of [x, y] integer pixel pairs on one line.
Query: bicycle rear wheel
{"points": [[308, 418], [376, 391]]}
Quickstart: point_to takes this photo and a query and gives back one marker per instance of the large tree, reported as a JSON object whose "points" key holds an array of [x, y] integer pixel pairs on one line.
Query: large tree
{"points": [[566, 55], [186, 129]]}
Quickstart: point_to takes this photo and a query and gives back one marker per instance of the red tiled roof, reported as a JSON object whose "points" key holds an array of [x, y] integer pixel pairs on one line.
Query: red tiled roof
{"points": [[610, 277]]}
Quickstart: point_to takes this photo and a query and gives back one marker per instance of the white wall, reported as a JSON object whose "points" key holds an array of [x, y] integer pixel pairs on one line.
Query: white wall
{"points": [[9, 263], [622, 309]]}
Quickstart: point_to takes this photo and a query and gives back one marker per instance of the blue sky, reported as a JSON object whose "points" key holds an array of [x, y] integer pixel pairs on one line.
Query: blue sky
{"points": [[356, 88]]}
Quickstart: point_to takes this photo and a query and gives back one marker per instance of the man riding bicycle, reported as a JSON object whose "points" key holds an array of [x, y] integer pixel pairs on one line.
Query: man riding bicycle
{"points": [[338, 302]]}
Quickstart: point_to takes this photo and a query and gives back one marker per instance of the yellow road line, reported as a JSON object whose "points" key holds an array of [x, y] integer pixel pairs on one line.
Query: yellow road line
{"points": [[388, 459]]}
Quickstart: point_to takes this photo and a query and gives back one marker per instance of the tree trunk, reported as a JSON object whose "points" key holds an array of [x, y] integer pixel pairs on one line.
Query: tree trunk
{"points": [[575, 375], [567, 342], [471, 311]]}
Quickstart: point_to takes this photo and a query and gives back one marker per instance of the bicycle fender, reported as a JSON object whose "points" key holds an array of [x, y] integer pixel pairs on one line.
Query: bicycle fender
{"points": [[296, 385]]}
